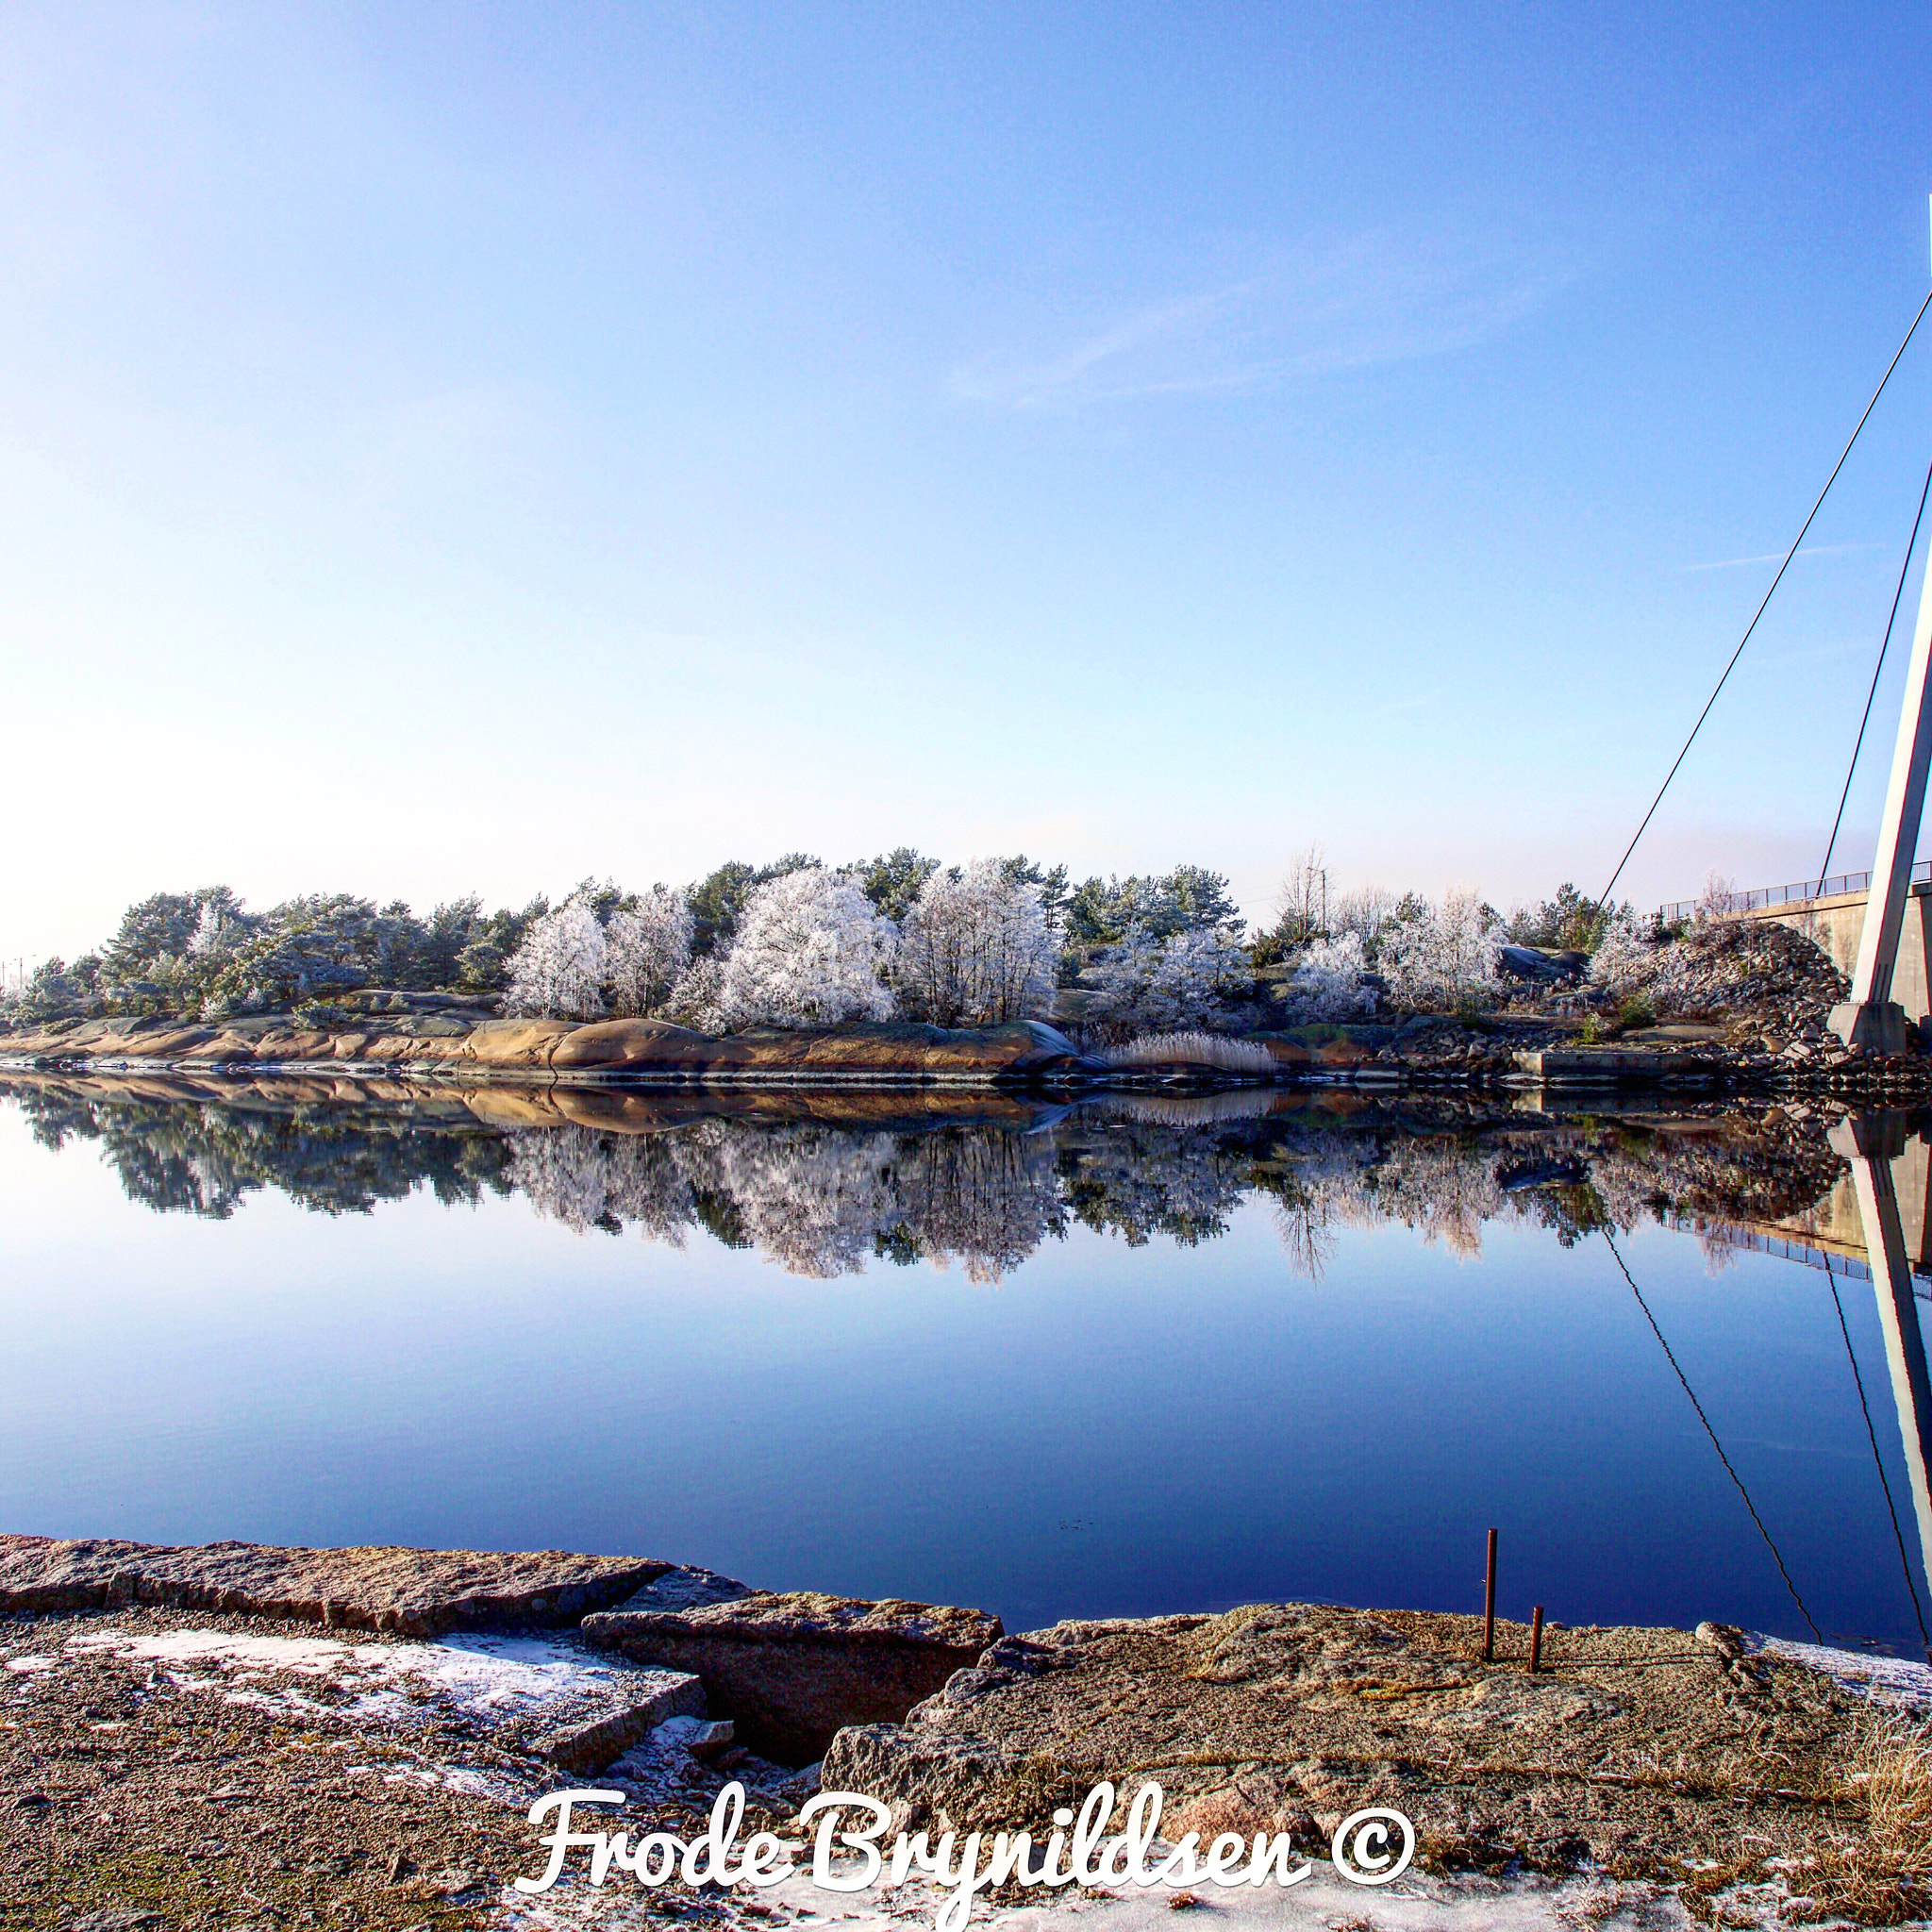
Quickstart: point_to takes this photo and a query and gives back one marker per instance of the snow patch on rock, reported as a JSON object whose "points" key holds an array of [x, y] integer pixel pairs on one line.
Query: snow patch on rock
{"points": [[1895, 1681]]}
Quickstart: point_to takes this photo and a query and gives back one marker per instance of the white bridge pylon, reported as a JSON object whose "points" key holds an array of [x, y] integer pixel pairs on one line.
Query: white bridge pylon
{"points": [[1871, 1142], [1871, 1019]]}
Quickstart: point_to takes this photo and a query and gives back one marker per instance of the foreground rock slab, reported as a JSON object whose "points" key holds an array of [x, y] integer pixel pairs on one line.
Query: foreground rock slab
{"points": [[791, 1669], [162, 1770], [413, 1593], [586, 1741], [1640, 1749]]}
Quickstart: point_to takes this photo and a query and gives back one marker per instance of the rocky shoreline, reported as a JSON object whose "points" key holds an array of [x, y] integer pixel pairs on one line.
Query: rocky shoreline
{"points": [[239, 1734], [546, 1051], [1733, 1006], [1483, 1054]]}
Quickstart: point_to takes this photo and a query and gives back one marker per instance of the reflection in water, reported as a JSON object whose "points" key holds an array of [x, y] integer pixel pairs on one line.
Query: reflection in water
{"points": [[1874, 1148], [823, 1197], [204, 1156], [1666, 1450], [818, 1201]]}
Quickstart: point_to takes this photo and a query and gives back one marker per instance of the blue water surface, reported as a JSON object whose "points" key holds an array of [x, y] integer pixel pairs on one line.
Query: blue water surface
{"points": [[1116, 1422]]}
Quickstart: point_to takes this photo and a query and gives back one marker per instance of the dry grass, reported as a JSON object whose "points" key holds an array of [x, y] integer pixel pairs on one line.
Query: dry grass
{"points": [[1216, 1812], [1194, 1049], [1882, 1876]]}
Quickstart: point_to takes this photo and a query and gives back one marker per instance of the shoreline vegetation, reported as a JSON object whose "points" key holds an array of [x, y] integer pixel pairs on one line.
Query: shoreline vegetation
{"points": [[356, 1736], [899, 971]]}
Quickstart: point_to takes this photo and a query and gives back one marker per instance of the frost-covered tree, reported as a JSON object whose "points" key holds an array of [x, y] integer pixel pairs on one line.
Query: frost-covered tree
{"points": [[697, 1000], [718, 902], [1155, 986], [558, 971], [1197, 971], [1719, 899], [1327, 983], [976, 950], [646, 951], [1303, 899], [164, 923], [483, 946], [1621, 961], [316, 946], [211, 946], [809, 952], [1441, 956], [55, 990], [215, 933], [1364, 911], [1124, 972]]}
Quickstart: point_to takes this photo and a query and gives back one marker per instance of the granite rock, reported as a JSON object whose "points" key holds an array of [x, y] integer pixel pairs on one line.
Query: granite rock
{"points": [[1287, 1717], [791, 1670], [651, 1698], [417, 1593], [686, 1588], [521, 1049]]}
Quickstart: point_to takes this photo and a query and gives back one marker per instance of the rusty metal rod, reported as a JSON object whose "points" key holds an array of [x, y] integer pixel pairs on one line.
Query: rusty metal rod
{"points": [[1490, 1605], [1535, 1639]]}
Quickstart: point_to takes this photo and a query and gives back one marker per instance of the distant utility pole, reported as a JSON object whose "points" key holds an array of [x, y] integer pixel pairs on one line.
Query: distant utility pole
{"points": [[1871, 1019]]}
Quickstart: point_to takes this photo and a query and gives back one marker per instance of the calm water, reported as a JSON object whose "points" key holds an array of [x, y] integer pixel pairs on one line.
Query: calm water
{"points": [[1132, 1357]]}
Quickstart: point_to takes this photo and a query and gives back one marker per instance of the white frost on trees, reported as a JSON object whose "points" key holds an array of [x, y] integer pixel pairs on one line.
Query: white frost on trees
{"points": [[1125, 970], [1363, 913], [1719, 899], [215, 935], [1445, 956], [1196, 971], [1621, 961], [1327, 983], [558, 972], [585, 1180], [975, 950], [1168, 989], [809, 952], [697, 1000], [646, 951]]}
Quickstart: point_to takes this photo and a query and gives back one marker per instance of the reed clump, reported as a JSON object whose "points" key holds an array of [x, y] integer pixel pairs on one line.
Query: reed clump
{"points": [[1213, 1050]]}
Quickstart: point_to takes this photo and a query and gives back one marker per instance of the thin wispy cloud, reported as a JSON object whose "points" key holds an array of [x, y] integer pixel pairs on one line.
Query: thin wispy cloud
{"points": [[1373, 299], [1778, 556]]}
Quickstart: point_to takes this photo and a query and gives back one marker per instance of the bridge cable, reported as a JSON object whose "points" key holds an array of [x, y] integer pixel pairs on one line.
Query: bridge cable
{"points": [[1711, 1432], [1603, 897], [1892, 1508], [1904, 571]]}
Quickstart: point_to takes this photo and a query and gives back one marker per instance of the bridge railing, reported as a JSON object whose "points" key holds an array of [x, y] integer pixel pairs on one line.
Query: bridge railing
{"points": [[1794, 1248], [1796, 895]]}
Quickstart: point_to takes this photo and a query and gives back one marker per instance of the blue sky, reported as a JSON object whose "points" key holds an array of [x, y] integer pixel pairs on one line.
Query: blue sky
{"points": [[477, 446]]}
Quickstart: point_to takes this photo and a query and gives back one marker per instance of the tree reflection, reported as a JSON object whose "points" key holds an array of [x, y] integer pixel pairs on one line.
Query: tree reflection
{"points": [[201, 1157], [895, 1181]]}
